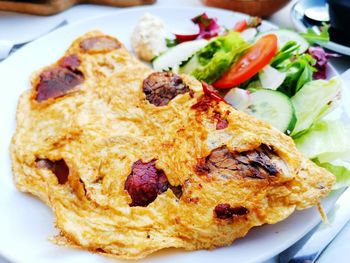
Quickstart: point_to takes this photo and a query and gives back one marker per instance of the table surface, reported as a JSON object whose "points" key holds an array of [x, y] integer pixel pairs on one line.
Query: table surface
{"points": [[21, 28]]}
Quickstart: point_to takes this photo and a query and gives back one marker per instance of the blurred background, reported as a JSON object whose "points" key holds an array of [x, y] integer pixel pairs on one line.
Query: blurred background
{"points": [[24, 21]]}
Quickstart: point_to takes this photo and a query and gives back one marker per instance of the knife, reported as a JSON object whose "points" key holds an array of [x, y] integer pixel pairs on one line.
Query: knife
{"points": [[309, 248]]}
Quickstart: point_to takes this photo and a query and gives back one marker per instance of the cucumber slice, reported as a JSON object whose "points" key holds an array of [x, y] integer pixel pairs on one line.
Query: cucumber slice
{"points": [[271, 78], [285, 36], [173, 57], [190, 66], [273, 107]]}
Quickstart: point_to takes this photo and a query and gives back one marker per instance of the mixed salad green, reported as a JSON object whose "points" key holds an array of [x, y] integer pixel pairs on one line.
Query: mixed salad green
{"points": [[211, 61], [276, 76]]}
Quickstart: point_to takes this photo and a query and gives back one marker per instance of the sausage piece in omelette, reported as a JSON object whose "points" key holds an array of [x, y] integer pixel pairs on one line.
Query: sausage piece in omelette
{"points": [[132, 161]]}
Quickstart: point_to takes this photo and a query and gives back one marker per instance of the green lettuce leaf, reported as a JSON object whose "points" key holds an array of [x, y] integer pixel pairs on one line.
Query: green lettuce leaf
{"points": [[327, 143], [210, 62], [299, 68], [299, 71], [314, 100], [315, 37], [340, 170], [284, 55], [326, 140]]}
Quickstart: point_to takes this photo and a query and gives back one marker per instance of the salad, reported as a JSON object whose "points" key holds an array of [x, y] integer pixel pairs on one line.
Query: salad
{"points": [[278, 76]]}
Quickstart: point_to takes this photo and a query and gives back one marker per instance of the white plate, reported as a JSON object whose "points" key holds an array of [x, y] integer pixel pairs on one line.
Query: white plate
{"points": [[297, 15], [26, 223]]}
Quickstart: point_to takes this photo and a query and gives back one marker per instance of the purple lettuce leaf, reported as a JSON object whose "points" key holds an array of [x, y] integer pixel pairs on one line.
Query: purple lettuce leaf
{"points": [[321, 57], [208, 27]]}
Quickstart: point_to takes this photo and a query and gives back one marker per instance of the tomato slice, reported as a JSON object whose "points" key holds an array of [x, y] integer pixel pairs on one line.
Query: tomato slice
{"points": [[240, 25], [256, 58]]}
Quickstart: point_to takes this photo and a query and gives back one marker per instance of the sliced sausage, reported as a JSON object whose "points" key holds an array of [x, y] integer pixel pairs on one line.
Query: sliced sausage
{"points": [[162, 87], [59, 168], [262, 159], [222, 163], [145, 183], [56, 82], [225, 211], [71, 62], [100, 44]]}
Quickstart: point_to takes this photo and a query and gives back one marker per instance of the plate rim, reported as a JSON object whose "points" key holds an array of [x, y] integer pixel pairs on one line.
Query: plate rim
{"points": [[270, 253]]}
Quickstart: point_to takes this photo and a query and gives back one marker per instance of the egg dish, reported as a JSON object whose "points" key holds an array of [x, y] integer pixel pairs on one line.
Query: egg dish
{"points": [[132, 161]]}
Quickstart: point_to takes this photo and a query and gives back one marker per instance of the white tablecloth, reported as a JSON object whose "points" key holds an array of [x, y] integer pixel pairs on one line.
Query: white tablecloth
{"points": [[21, 28]]}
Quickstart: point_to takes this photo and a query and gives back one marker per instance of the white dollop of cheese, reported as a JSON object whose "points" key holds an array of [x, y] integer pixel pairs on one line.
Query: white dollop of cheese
{"points": [[148, 37]]}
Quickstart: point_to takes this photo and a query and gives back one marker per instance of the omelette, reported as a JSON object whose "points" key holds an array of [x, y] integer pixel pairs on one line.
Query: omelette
{"points": [[132, 161]]}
